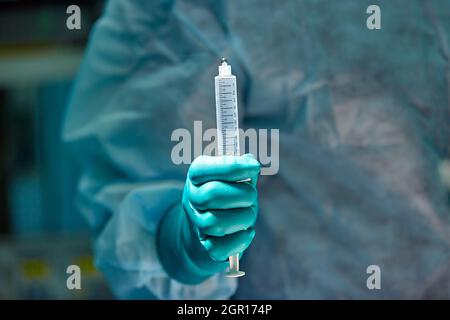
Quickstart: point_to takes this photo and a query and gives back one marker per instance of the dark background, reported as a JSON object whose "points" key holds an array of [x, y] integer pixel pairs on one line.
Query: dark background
{"points": [[40, 230]]}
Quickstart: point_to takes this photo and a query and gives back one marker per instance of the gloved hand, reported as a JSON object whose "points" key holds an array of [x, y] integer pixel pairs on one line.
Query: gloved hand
{"points": [[214, 221]]}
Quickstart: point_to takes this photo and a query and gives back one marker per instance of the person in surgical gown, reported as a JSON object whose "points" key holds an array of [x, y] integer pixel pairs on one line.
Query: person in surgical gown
{"points": [[364, 123]]}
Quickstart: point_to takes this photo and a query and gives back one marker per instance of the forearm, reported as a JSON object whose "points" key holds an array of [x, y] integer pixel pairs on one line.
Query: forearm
{"points": [[126, 252]]}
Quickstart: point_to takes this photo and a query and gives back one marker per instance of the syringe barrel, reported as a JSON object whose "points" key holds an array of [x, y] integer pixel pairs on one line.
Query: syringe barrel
{"points": [[227, 115], [227, 130]]}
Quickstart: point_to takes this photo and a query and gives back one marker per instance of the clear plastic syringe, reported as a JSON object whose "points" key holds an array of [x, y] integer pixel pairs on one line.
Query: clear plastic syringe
{"points": [[227, 130]]}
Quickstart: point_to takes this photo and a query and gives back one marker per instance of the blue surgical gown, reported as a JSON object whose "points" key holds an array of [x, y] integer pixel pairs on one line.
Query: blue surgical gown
{"points": [[363, 118]]}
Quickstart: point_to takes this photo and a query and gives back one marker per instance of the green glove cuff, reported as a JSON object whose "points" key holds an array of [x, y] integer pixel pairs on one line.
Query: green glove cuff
{"points": [[180, 251]]}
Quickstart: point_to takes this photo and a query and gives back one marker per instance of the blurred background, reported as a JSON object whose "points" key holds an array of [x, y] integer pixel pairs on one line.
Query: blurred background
{"points": [[41, 232]]}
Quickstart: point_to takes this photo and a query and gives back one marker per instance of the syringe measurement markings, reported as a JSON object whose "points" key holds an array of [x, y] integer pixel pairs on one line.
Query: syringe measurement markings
{"points": [[227, 101], [228, 121], [227, 114]]}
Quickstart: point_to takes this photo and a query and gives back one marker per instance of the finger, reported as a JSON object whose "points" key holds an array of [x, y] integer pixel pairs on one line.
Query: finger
{"points": [[224, 168], [220, 248], [222, 195], [219, 223]]}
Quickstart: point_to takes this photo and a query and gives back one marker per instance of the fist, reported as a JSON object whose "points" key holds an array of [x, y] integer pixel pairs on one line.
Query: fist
{"points": [[221, 201]]}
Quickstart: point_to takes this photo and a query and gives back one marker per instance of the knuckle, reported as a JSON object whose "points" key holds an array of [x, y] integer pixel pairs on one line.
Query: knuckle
{"points": [[200, 197], [208, 192], [215, 231], [209, 225]]}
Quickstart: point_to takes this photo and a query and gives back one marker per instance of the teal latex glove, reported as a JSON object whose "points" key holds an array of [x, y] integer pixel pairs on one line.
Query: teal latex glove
{"points": [[215, 219]]}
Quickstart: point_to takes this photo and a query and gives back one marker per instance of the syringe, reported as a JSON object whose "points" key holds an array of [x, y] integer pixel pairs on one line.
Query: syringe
{"points": [[227, 130]]}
